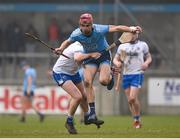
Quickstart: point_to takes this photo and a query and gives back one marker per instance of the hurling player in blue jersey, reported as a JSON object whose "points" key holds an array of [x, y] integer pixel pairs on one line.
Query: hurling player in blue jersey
{"points": [[92, 37], [29, 85]]}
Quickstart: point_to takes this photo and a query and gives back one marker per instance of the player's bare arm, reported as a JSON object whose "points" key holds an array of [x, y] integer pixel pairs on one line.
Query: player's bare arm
{"points": [[63, 46], [79, 56], [117, 61], [122, 28], [147, 62]]}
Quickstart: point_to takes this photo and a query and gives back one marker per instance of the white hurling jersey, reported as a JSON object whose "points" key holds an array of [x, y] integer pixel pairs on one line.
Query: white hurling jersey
{"points": [[65, 65], [134, 56]]}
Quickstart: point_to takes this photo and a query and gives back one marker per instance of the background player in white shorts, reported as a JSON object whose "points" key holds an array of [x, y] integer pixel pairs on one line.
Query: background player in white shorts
{"points": [[137, 60]]}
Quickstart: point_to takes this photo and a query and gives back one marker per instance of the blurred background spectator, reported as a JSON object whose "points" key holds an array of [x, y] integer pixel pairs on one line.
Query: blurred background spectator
{"points": [[30, 44], [54, 33], [15, 37]]}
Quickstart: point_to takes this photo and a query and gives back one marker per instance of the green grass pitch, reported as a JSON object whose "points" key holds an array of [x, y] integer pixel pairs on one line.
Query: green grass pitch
{"points": [[114, 127]]}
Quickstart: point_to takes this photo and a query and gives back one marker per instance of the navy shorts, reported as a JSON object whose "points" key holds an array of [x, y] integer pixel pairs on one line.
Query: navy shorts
{"points": [[104, 58], [31, 94], [135, 80], [61, 78]]}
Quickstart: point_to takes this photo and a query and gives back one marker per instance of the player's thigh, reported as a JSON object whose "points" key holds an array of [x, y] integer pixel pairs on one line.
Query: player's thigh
{"points": [[104, 71], [26, 103], [134, 91], [89, 73], [71, 89], [136, 84], [23, 102], [127, 92], [81, 88]]}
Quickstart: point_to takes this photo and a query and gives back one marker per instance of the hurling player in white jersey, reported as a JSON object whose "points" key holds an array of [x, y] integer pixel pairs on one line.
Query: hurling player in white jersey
{"points": [[93, 38], [66, 75], [136, 61]]}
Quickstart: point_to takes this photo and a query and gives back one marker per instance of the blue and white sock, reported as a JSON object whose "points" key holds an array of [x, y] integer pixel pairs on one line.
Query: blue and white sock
{"points": [[136, 118], [70, 119], [92, 108]]}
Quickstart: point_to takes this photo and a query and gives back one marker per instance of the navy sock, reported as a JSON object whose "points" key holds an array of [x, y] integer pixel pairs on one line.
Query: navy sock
{"points": [[92, 108], [70, 119]]}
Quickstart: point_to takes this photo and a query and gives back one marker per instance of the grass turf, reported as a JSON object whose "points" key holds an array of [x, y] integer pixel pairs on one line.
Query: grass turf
{"points": [[114, 127]]}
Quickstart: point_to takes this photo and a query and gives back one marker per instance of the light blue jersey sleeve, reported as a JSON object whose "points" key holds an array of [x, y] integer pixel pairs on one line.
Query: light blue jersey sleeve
{"points": [[74, 35], [102, 28]]}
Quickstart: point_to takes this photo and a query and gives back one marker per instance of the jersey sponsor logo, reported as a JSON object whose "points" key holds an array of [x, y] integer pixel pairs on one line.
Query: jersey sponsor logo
{"points": [[90, 47], [90, 43], [132, 54]]}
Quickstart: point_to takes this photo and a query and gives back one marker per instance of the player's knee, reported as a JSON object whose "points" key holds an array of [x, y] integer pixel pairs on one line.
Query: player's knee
{"points": [[79, 98], [87, 83], [103, 81], [131, 100], [84, 98]]}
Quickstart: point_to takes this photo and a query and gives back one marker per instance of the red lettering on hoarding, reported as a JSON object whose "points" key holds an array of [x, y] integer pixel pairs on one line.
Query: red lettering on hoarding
{"points": [[52, 99], [60, 103], [5, 99], [11, 101], [42, 103], [52, 103], [15, 101]]}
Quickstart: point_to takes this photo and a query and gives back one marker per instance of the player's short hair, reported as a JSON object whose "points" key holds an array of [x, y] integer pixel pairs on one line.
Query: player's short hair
{"points": [[23, 63], [86, 18]]}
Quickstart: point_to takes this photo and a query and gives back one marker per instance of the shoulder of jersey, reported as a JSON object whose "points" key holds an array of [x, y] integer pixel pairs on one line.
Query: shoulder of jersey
{"points": [[33, 69], [76, 32], [75, 46], [142, 42], [77, 43], [30, 70], [124, 44]]}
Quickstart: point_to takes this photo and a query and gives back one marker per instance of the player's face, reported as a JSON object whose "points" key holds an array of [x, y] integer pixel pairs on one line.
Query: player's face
{"points": [[86, 28], [135, 37]]}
